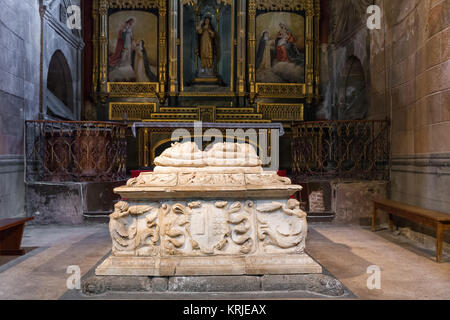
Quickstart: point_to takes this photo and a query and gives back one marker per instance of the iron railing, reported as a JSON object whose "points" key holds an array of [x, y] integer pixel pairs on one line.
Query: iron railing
{"points": [[74, 151], [341, 149]]}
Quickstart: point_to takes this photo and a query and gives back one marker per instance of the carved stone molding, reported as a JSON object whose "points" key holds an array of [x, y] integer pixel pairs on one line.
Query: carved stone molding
{"points": [[157, 180], [262, 179], [193, 178]]}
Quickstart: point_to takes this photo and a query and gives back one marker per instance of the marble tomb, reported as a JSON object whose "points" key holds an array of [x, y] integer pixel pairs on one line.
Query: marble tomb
{"points": [[212, 212]]}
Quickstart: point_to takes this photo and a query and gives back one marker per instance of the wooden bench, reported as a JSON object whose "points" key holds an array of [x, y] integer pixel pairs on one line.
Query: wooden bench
{"points": [[11, 232], [435, 219]]}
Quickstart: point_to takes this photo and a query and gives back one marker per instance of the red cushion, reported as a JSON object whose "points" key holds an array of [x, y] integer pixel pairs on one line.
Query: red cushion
{"points": [[282, 173]]}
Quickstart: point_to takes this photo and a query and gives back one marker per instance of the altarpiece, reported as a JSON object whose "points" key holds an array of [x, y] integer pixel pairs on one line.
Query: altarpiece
{"points": [[244, 61]]}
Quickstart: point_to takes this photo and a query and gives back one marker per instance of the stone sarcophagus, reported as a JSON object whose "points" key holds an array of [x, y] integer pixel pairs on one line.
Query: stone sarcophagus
{"points": [[214, 212]]}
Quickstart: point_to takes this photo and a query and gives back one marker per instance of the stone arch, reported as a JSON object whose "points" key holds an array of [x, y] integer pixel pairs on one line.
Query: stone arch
{"points": [[353, 92], [60, 84]]}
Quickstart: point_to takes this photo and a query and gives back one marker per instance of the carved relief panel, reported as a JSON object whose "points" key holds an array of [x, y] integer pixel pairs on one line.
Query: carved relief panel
{"points": [[208, 228], [134, 230], [281, 227]]}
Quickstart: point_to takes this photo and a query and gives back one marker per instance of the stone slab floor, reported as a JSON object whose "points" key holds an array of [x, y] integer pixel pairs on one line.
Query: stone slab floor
{"points": [[407, 270]]}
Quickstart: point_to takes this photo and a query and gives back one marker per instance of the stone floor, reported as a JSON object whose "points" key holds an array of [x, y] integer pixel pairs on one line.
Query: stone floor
{"points": [[408, 271]]}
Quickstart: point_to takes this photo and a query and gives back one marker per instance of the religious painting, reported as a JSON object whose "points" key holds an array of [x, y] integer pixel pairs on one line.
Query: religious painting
{"points": [[207, 43], [133, 46], [280, 47]]}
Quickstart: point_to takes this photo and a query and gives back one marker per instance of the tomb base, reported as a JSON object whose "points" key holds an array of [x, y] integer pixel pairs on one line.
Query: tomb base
{"points": [[207, 266], [221, 287]]}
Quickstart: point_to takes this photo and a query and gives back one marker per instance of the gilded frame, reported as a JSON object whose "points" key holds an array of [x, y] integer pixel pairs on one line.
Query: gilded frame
{"points": [[233, 45], [100, 74], [307, 90]]}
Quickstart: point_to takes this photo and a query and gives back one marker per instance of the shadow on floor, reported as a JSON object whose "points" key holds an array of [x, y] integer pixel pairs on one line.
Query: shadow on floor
{"points": [[7, 262], [69, 256], [6, 259], [411, 245], [338, 255]]}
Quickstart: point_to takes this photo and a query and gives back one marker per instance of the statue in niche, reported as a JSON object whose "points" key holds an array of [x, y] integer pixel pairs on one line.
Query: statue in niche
{"points": [[207, 41], [206, 46]]}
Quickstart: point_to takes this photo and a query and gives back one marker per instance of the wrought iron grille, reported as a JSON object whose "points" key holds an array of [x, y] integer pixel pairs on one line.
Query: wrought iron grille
{"points": [[75, 151], [341, 149]]}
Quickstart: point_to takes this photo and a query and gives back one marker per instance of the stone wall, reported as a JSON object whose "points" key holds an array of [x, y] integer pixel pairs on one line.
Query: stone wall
{"points": [[19, 95], [343, 202], [352, 201], [410, 64], [70, 203], [20, 81], [66, 45], [348, 41]]}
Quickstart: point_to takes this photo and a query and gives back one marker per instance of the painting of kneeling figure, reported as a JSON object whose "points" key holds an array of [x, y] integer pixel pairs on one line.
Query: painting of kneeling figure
{"points": [[280, 50], [133, 47]]}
